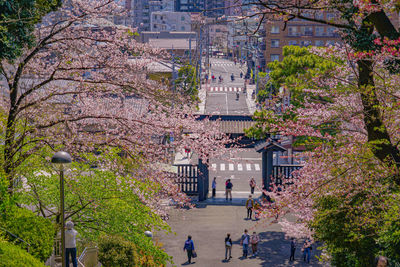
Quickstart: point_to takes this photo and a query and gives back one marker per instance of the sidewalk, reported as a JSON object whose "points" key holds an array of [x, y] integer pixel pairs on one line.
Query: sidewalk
{"points": [[251, 103], [208, 226]]}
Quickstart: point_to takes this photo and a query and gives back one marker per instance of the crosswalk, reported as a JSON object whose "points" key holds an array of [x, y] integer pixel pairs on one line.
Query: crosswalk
{"points": [[235, 167], [224, 89], [222, 63]]}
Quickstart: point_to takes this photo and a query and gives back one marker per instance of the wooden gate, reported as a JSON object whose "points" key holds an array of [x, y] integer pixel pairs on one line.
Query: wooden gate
{"points": [[193, 179]]}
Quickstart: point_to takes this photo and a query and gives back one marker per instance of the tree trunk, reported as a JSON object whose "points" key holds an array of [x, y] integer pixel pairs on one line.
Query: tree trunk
{"points": [[378, 136]]}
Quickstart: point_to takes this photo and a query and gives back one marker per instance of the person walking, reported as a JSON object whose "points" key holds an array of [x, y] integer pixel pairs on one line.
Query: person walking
{"points": [[307, 251], [249, 206], [228, 246], [228, 189], [244, 241], [214, 187], [292, 249], [252, 184], [189, 247], [70, 244], [254, 240]]}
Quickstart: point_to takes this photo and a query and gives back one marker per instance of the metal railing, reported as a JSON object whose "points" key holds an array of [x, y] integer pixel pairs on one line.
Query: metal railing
{"points": [[16, 237]]}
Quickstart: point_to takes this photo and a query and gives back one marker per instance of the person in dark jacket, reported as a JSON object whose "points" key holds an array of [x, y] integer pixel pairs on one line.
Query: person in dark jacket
{"points": [[189, 247], [292, 249], [228, 189], [228, 246]]}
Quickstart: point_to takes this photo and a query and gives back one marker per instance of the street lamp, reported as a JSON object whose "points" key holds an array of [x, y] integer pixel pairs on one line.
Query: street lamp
{"points": [[62, 159], [148, 234]]}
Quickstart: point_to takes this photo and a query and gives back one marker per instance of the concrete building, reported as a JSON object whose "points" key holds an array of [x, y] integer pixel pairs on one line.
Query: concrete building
{"points": [[141, 11], [178, 43], [298, 32], [214, 8], [189, 5], [170, 21]]}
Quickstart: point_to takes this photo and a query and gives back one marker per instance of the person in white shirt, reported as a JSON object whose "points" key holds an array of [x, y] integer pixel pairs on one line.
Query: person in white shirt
{"points": [[70, 244]]}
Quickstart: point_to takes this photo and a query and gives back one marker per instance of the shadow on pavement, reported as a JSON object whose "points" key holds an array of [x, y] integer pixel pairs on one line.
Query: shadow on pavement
{"points": [[274, 250]]}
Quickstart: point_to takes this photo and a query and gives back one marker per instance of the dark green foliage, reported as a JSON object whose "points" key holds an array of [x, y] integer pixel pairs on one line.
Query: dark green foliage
{"points": [[13, 256], [17, 22], [118, 252], [186, 82], [35, 230]]}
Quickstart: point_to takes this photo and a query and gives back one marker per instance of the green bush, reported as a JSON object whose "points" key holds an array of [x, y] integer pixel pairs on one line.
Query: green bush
{"points": [[13, 256], [37, 231], [117, 252]]}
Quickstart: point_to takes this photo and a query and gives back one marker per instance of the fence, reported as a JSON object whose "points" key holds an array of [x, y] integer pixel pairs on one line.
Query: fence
{"points": [[187, 179], [283, 171]]}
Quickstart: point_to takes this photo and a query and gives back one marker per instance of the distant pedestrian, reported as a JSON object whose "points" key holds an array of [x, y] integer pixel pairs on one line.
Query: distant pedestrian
{"points": [[228, 189], [70, 244], [254, 240], [214, 187], [228, 246], [249, 206], [244, 241], [189, 247], [292, 249], [252, 184], [307, 247]]}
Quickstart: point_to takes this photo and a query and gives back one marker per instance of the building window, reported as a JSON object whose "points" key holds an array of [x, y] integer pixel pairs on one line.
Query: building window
{"points": [[274, 29], [330, 16], [319, 43], [307, 30], [183, 28], [331, 31], [292, 30], [217, 30], [319, 31], [182, 18], [305, 43], [319, 15], [274, 57], [274, 43], [330, 42], [293, 42]]}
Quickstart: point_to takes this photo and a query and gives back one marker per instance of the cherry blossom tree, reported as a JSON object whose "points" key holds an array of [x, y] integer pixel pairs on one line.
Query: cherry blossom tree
{"points": [[344, 193]]}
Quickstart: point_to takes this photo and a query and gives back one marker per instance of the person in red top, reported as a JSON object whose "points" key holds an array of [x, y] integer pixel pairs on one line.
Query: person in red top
{"points": [[252, 184]]}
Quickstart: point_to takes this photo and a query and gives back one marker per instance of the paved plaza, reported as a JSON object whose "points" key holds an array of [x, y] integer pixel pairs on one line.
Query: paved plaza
{"points": [[209, 224]]}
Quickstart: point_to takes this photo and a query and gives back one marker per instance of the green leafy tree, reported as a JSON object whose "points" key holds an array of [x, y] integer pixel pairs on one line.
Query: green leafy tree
{"points": [[35, 230], [11, 255], [98, 201], [116, 251], [186, 83], [17, 22]]}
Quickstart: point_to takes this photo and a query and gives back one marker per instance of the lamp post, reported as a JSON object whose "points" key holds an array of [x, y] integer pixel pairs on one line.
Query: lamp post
{"points": [[61, 159], [148, 234]]}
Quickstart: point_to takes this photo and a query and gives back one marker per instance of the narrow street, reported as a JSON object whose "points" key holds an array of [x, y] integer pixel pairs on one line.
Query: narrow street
{"points": [[221, 96]]}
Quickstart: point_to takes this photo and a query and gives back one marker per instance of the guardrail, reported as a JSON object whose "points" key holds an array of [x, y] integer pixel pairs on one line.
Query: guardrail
{"points": [[16, 237]]}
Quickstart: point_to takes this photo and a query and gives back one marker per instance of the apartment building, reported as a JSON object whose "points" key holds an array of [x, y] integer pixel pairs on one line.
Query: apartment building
{"points": [[189, 5], [298, 32], [170, 21]]}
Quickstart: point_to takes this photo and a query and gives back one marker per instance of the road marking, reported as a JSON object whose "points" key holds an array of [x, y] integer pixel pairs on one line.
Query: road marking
{"points": [[221, 89], [246, 159], [239, 89], [230, 89], [240, 167], [226, 99], [235, 89], [214, 167], [231, 168], [222, 166], [248, 166], [257, 167]]}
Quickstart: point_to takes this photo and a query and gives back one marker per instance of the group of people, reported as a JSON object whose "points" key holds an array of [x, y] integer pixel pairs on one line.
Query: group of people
{"points": [[245, 241]]}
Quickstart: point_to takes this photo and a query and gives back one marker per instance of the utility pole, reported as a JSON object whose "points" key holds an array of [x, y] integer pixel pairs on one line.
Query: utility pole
{"points": [[201, 54], [190, 49]]}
